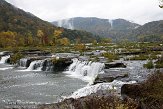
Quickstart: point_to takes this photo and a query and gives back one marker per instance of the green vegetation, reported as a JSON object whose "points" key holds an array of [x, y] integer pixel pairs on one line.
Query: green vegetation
{"points": [[110, 56], [28, 27], [14, 58], [149, 65]]}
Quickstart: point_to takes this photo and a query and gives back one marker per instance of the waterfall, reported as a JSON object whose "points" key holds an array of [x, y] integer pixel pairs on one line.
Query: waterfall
{"points": [[85, 70], [23, 62], [111, 22], [36, 65], [4, 59], [39, 65]]}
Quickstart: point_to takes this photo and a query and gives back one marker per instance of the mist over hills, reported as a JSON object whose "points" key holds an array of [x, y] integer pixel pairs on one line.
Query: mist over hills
{"points": [[117, 29]]}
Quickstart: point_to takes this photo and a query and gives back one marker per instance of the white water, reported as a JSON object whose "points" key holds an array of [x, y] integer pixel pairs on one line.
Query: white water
{"points": [[4, 59], [6, 68], [23, 62], [35, 65], [85, 70], [115, 85], [111, 22]]}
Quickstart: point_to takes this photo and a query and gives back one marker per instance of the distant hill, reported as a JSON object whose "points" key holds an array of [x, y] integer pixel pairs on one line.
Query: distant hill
{"points": [[152, 31], [17, 20], [114, 29], [117, 29]]}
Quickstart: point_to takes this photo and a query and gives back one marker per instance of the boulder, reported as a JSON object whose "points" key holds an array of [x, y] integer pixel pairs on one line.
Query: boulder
{"points": [[109, 77], [57, 65]]}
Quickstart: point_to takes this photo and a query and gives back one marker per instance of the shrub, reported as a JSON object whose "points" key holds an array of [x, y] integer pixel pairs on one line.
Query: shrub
{"points": [[110, 56], [149, 65], [14, 58]]}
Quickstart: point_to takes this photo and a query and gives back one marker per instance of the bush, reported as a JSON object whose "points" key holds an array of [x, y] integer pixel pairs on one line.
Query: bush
{"points": [[110, 56], [16, 57], [149, 65]]}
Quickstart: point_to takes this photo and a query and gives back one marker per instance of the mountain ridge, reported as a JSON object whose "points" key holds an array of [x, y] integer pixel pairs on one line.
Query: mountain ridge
{"points": [[102, 27], [117, 29]]}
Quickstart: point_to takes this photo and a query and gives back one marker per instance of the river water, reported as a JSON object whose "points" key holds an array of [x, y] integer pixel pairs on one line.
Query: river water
{"points": [[28, 88]]}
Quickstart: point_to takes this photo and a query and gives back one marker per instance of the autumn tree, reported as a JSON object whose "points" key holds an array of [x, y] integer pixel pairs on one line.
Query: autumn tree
{"points": [[56, 36], [80, 47], [40, 36], [94, 42], [64, 41], [30, 38], [7, 39], [106, 40]]}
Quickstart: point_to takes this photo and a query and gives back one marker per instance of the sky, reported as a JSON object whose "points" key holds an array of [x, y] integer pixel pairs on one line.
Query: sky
{"points": [[138, 11]]}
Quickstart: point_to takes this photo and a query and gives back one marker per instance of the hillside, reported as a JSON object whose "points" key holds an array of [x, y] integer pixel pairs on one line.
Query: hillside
{"points": [[17, 20], [117, 29], [114, 29], [152, 31]]}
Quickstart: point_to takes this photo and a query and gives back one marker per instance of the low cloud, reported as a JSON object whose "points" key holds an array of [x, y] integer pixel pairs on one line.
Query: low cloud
{"points": [[139, 11]]}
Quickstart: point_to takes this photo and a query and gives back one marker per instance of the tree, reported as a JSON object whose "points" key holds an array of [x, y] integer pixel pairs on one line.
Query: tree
{"points": [[64, 41], [141, 38], [106, 40], [94, 42], [56, 35], [80, 47], [40, 35], [8, 39], [29, 38]]}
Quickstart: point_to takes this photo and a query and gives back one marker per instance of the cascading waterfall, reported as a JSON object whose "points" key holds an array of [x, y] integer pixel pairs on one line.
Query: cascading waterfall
{"points": [[39, 65], [23, 62], [36, 65], [85, 70], [4, 59]]}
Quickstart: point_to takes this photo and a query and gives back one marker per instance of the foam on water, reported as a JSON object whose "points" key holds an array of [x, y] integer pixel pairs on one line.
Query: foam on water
{"points": [[6, 68], [89, 89], [4, 59], [35, 66]]}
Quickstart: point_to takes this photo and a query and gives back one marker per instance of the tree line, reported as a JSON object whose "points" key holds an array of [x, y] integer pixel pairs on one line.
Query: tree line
{"points": [[13, 39]]}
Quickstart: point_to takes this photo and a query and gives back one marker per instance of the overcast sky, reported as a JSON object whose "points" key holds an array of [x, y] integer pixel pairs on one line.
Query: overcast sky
{"points": [[139, 11]]}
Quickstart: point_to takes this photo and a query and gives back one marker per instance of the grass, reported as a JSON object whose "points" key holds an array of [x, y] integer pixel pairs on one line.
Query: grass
{"points": [[110, 56]]}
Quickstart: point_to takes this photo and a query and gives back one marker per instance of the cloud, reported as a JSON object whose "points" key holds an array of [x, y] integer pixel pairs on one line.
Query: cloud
{"points": [[139, 11]]}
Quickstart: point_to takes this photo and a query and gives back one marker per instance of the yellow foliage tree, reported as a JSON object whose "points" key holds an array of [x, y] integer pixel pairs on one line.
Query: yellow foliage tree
{"points": [[8, 39], [30, 39], [80, 47], [56, 35], [40, 35], [64, 41]]}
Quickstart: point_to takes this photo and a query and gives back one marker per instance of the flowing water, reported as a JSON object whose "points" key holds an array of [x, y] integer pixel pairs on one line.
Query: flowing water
{"points": [[28, 85], [31, 86]]}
